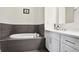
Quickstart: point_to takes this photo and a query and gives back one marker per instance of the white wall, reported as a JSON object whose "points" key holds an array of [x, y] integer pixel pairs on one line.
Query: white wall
{"points": [[14, 15], [74, 26], [50, 17]]}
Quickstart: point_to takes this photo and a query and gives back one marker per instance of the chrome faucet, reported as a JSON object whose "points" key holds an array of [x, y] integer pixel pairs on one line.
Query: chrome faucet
{"points": [[59, 27]]}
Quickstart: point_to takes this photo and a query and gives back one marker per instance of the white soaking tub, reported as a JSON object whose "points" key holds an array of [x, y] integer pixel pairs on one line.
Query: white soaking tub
{"points": [[22, 42]]}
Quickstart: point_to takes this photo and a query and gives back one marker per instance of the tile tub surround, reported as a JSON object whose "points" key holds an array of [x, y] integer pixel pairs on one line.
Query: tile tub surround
{"points": [[22, 45], [28, 29], [5, 30], [8, 29], [0, 31], [0, 36]]}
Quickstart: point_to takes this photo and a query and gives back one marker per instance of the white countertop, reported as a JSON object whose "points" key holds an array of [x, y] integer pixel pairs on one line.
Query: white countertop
{"points": [[72, 33]]}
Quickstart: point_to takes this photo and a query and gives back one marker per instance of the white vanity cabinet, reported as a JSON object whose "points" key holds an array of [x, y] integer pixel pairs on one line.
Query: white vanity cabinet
{"points": [[69, 44], [57, 42], [52, 41]]}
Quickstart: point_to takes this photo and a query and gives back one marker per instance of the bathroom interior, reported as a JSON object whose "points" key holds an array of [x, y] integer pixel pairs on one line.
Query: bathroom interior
{"points": [[39, 29]]}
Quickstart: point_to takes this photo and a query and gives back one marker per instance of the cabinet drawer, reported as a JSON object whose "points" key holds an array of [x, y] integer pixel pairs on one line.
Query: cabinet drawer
{"points": [[54, 35], [73, 42], [66, 48]]}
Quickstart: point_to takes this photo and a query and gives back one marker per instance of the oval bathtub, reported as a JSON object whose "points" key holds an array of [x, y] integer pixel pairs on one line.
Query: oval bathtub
{"points": [[13, 44]]}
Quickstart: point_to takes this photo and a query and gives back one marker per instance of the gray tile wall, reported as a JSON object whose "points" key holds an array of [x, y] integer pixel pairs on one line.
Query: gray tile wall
{"points": [[0, 36], [28, 29], [5, 30], [0, 31], [24, 28], [41, 29]]}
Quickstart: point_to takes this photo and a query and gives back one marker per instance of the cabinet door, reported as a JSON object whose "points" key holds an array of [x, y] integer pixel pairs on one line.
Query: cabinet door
{"points": [[55, 45], [69, 40], [52, 44], [66, 48], [48, 41]]}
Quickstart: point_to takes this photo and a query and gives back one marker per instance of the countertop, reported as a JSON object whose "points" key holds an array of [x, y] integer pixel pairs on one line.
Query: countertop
{"points": [[66, 32]]}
